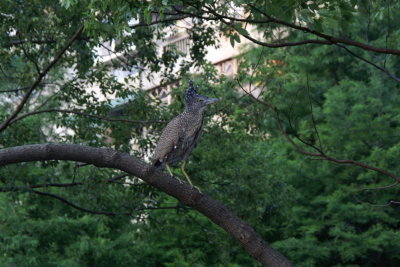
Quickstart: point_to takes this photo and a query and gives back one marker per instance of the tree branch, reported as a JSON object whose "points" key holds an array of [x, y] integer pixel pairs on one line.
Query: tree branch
{"points": [[384, 70], [81, 114], [15, 90], [76, 206], [320, 155], [269, 19], [160, 21], [33, 186], [39, 42], [330, 40], [62, 199], [69, 203], [327, 37], [41, 75], [379, 187], [109, 158], [277, 45]]}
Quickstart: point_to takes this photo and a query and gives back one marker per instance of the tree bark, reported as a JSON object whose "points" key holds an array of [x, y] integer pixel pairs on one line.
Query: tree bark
{"points": [[109, 158]]}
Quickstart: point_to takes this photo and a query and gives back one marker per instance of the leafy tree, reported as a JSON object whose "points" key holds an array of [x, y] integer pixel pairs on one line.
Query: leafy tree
{"points": [[307, 162]]}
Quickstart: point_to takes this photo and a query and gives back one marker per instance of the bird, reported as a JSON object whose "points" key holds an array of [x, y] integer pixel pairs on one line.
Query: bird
{"points": [[182, 133]]}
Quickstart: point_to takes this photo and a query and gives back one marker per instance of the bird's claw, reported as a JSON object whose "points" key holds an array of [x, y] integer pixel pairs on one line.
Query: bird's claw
{"points": [[197, 188]]}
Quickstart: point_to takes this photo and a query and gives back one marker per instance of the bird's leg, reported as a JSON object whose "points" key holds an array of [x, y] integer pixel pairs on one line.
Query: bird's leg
{"points": [[185, 174], [169, 170]]}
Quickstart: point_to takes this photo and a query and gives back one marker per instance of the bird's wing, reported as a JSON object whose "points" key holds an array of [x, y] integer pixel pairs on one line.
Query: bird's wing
{"points": [[197, 137], [168, 140]]}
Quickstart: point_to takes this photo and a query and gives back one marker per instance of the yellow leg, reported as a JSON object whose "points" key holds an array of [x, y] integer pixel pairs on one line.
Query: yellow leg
{"points": [[169, 169], [170, 172], [185, 174]]}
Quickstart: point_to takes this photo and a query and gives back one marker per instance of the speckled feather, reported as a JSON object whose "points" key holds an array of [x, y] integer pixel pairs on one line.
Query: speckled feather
{"points": [[178, 139], [181, 135]]}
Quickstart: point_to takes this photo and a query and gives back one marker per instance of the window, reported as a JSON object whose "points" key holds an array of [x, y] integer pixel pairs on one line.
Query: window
{"points": [[182, 46], [226, 67]]}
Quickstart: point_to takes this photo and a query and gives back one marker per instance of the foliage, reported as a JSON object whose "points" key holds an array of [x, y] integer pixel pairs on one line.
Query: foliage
{"points": [[315, 212]]}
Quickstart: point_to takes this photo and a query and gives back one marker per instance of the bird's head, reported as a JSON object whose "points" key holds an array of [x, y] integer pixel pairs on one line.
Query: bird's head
{"points": [[195, 101]]}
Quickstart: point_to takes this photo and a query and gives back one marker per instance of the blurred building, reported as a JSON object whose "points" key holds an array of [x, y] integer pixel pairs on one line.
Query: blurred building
{"points": [[224, 58]]}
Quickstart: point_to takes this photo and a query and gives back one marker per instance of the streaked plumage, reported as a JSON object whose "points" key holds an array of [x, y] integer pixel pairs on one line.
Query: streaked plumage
{"points": [[182, 133]]}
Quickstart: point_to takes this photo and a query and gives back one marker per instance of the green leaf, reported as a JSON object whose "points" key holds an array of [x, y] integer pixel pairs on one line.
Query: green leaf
{"points": [[236, 37], [65, 3], [147, 15], [242, 31], [232, 40]]}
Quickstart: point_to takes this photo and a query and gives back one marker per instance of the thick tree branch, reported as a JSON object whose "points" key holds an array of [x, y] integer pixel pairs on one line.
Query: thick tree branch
{"points": [[41, 75], [104, 157]]}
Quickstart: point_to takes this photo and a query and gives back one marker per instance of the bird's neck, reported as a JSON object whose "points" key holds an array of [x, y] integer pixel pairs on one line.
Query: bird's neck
{"points": [[191, 111]]}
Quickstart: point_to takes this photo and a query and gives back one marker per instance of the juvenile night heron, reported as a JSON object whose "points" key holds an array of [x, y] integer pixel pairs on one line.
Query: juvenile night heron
{"points": [[181, 135]]}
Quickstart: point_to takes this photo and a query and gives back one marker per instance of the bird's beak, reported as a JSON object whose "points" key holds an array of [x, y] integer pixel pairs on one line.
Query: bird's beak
{"points": [[211, 100]]}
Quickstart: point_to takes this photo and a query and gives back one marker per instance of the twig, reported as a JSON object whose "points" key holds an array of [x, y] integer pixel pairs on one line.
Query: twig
{"points": [[327, 37], [108, 213], [159, 21], [69, 203], [81, 114], [381, 187], [28, 56], [312, 115], [117, 56], [329, 40], [19, 89], [289, 115], [370, 62], [41, 75], [389, 203], [320, 155], [39, 42], [33, 186], [14, 90]]}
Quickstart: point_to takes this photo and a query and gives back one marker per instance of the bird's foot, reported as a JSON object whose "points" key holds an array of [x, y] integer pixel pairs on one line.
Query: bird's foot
{"points": [[180, 181], [197, 188]]}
